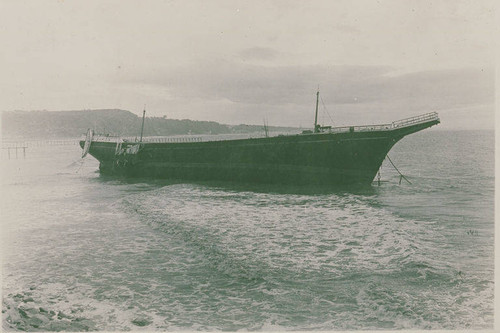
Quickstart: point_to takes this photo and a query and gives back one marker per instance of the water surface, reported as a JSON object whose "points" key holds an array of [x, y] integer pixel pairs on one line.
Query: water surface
{"points": [[83, 252]]}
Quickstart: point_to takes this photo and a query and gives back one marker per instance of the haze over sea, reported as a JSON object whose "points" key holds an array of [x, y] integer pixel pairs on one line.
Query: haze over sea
{"points": [[85, 252]]}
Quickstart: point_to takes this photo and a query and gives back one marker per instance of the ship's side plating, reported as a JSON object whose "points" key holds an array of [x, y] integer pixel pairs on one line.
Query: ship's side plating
{"points": [[317, 158]]}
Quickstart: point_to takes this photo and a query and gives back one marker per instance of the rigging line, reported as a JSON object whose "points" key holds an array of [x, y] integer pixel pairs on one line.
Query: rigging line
{"points": [[326, 109], [398, 170], [322, 115]]}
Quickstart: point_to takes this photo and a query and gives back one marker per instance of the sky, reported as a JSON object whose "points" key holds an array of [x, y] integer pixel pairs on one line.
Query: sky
{"points": [[245, 61]]}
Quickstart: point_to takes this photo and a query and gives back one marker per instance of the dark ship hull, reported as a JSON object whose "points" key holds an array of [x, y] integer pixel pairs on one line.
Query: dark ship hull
{"points": [[333, 156]]}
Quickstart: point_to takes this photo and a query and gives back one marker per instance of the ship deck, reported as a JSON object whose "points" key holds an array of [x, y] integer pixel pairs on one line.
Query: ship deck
{"points": [[398, 125]]}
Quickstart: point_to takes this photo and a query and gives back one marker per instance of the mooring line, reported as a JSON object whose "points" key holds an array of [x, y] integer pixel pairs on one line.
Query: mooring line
{"points": [[83, 160], [401, 175]]}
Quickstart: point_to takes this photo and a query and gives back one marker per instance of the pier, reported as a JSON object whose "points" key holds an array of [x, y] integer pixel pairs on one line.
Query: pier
{"points": [[17, 149]]}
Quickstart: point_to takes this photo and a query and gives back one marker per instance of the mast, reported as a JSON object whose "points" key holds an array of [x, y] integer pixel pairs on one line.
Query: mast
{"points": [[142, 128], [316, 117]]}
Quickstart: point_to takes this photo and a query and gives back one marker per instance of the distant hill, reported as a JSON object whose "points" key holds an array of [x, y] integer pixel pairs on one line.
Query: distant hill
{"points": [[66, 124]]}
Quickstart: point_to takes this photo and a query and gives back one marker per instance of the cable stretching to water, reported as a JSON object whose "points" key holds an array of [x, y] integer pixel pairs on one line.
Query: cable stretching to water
{"points": [[398, 171], [83, 160]]}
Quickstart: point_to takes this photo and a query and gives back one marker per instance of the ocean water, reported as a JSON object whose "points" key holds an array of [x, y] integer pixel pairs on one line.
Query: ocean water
{"points": [[81, 252]]}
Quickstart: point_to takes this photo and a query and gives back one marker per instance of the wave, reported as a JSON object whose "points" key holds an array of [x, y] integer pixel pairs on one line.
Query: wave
{"points": [[277, 246]]}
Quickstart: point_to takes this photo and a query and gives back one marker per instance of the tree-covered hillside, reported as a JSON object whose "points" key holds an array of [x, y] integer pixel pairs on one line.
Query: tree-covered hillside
{"points": [[59, 124]]}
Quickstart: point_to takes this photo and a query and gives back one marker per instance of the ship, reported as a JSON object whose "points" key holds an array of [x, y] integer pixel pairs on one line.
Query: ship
{"points": [[324, 155]]}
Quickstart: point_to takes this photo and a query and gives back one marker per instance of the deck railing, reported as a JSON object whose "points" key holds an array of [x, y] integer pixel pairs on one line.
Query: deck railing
{"points": [[365, 128], [395, 124], [416, 120], [106, 138], [177, 139]]}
